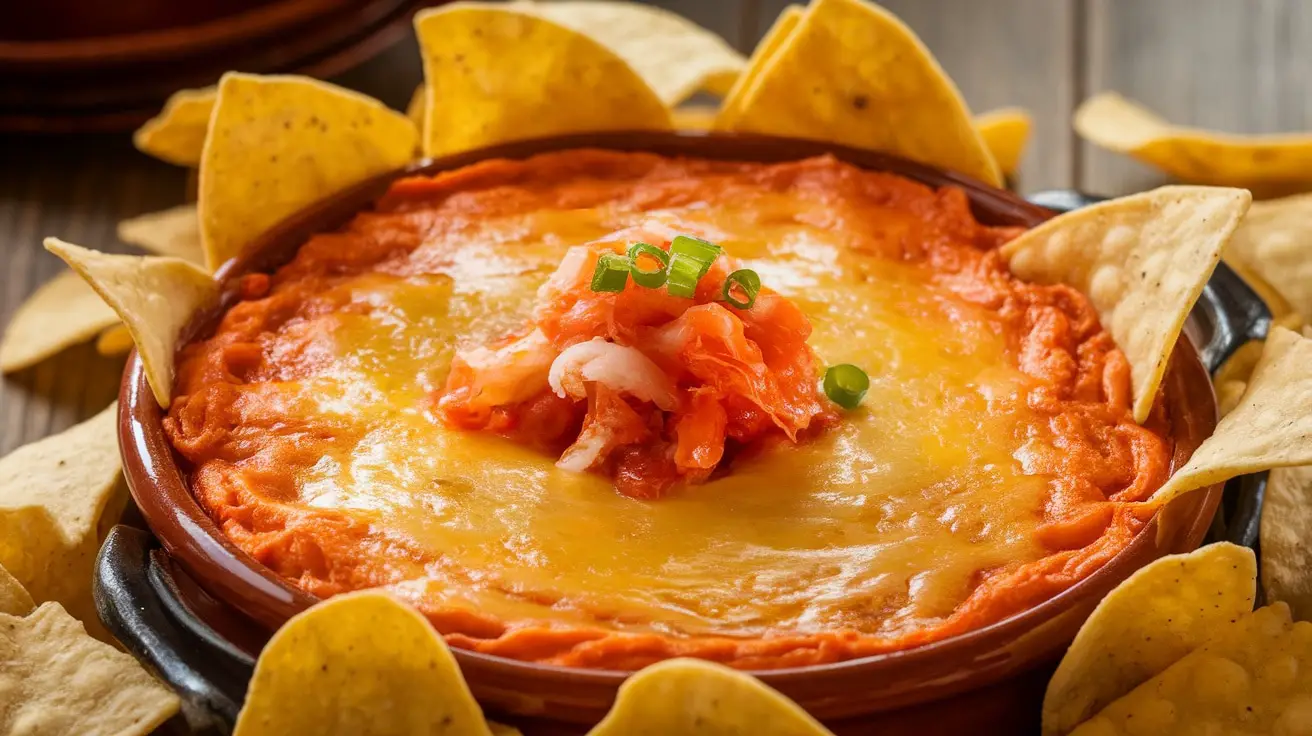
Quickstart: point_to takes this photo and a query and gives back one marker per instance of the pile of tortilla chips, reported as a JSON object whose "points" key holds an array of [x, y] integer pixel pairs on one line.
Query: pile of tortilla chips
{"points": [[1272, 251], [1174, 647], [1177, 649], [58, 499]]}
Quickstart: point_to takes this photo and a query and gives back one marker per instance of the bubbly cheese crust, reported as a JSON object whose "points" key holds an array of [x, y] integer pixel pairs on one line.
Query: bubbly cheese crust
{"points": [[991, 466]]}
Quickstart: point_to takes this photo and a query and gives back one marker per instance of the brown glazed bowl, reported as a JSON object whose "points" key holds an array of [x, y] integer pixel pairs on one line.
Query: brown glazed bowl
{"points": [[985, 680]]}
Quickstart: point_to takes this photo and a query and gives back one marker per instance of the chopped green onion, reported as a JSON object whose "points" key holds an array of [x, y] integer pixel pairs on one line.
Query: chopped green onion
{"points": [[698, 250], [652, 279], [747, 280], [846, 385], [612, 273], [684, 274]]}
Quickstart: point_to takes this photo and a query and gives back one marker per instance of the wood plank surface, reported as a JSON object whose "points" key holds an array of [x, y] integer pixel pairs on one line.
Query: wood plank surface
{"points": [[1221, 64], [76, 188]]}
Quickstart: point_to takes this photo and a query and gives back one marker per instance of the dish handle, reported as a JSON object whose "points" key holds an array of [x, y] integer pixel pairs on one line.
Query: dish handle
{"points": [[139, 606]]}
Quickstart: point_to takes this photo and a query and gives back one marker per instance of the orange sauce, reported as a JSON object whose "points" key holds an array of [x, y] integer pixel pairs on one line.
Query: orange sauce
{"points": [[990, 467]]}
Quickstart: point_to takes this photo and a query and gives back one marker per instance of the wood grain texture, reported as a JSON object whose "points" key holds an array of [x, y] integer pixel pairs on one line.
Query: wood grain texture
{"points": [[1003, 53], [1222, 64], [76, 189]]}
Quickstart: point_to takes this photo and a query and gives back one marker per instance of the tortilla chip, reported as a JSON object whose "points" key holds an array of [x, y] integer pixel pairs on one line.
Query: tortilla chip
{"points": [[415, 109], [731, 110], [1275, 242], [14, 598], [693, 117], [1159, 614], [1143, 260], [1286, 529], [1228, 395], [358, 663], [171, 232], [54, 679], [60, 314], [58, 498], [1275, 301], [1240, 365], [1231, 379], [1271, 427], [675, 56], [114, 342], [177, 133], [692, 697], [155, 296], [852, 73], [1286, 525], [278, 144], [495, 74], [1251, 678], [1191, 154], [1005, 132]]}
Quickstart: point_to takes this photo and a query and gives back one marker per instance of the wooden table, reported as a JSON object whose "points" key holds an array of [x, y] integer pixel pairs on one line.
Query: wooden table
{"points": [[1237, 65]]}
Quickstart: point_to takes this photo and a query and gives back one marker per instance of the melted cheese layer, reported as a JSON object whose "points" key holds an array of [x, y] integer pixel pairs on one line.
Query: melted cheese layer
{"points": [[335, 472]]}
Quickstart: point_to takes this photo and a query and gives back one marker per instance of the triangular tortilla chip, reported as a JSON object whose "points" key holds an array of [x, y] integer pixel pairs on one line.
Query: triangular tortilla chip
{"points": [[58, 497], [852, 73], [1143, 260], [1250, 678], [731, 110], [60, 314], [1271, 427], [155, 297], [1005, 132], [281, 143], [56, 680], [692, 697], [496, 74], [14, 598], [1275, 242], [359, 663], [676, 57], [177, 133], [1191, 154], [1159, 614], [171, 232]]}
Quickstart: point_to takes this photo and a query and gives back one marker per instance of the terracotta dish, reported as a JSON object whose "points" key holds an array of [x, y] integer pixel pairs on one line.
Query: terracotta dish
{"points": [[882, 690]]}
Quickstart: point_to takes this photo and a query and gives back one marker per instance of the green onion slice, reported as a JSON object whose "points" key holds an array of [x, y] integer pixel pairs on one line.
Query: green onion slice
{"points": [[652, 279], [684, 274], [612, 273], [746, 280], [698, 250], [846, 385]]}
